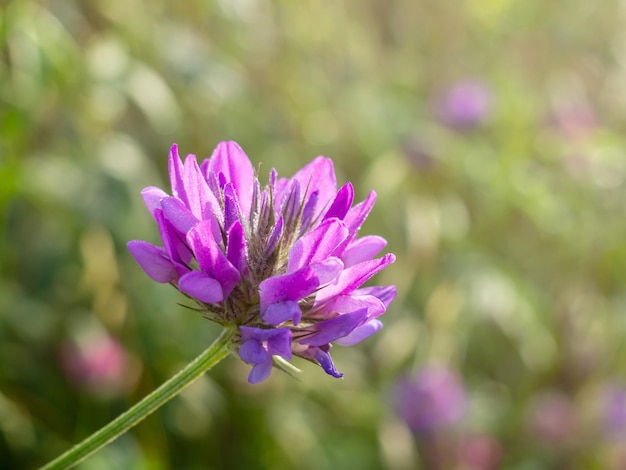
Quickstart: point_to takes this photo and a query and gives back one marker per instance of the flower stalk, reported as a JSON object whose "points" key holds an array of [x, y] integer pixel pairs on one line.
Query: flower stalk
{"points": [[217, 351]]}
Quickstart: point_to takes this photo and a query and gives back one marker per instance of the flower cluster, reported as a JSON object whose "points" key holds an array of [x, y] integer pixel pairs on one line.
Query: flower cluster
{"points": [[282, 262]]}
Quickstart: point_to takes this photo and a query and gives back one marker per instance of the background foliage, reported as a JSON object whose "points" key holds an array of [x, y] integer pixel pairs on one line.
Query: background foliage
{"points": [[508, 231]]}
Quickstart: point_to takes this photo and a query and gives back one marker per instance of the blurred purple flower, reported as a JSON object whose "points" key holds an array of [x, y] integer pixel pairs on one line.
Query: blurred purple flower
{"points": [[97, 363], [282, 262], [432, 399], [464, 106], [613, 409]]}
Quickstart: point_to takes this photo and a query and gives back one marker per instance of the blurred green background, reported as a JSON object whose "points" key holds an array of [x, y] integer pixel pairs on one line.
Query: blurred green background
{"points": [[508, 224]]}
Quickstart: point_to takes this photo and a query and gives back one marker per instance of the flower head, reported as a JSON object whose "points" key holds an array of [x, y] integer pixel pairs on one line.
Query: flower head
{"points": [[281, 262]]}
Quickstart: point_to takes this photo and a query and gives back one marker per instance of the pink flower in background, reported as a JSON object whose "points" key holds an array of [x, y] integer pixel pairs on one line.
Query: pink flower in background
{"points": [[574, 119], [480, 452], [97, 363], [552, 418]]}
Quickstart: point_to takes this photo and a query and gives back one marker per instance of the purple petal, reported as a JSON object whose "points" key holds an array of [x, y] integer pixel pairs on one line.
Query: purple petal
{"points": [[174, 246], [385, 294], [354, 220], [291, 286], [200, 199], [280, 312], [317, 245], [202, 287], [237, 248], [328, 270], [228, 158], [349, 303], [342, 202], [362, 249], [260, 372], [308, 211], [318, 175], [360, 333], [175, 169], [210, 257], [153, 260], [259, 345], [231, 206], [322, 356], [152, 198], [279, 344], [253, 352], [328, 331], [178, 214], [356, 216], [263, 334], [353, 277], [290, 203], [274, 238]]}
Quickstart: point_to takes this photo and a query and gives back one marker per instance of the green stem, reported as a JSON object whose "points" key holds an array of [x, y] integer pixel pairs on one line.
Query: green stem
{"points": [[210, 357]]}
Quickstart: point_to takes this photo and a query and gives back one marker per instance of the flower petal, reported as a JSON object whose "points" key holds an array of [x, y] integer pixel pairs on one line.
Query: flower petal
{"points": [[229, 159], [175, 169], [328, 270], [318, 175], [232, 212], [308, 211], [385, 294], [317, 245], [258, 345], [260, 371], [353, 277], [153, 260], [210, 257], [360, 333], [362, 249], [322, 357], [342, 202], [200, 199], [202, 287], [279, 344], [291, 286], [152, 198], [349, 303], [274, 237], [176, 250], [237, 252], [178, 214], [281, 312], [356, 216], [253, 352], [328, 331]]}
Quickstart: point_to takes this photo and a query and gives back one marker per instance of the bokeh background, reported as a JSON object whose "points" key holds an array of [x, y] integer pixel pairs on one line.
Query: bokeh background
{"points": [[493, 133]]}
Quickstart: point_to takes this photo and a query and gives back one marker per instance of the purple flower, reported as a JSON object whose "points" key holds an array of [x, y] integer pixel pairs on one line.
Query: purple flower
{"points": [[282, 262], [464, 106], [432, 399], [613, 408]]}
